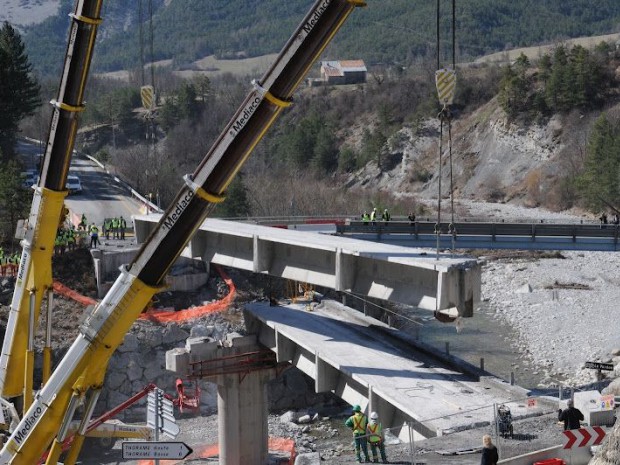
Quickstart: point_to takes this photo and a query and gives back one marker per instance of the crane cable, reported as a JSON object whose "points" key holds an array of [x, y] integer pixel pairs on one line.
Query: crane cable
{"points": [[445, 79], [147, 90]]}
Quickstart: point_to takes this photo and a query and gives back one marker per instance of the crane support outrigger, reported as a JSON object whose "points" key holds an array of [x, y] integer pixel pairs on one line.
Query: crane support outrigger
{"points": [[82, 370]]}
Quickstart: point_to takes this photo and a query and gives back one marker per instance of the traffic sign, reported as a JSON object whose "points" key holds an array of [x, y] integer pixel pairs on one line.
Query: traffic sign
{"points": [[607, 402], [600, 366], [583, 437], [155, 450]]}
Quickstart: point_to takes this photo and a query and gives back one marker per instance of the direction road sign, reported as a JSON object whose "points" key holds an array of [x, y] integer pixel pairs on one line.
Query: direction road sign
{"points": [[600, 366], [155, 450], [583, 437]]}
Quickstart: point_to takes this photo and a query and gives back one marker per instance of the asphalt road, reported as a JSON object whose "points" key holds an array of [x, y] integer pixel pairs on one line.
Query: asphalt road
{"points": [[102, 196]]}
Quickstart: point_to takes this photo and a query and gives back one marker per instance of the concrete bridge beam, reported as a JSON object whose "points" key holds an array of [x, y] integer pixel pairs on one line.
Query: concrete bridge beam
{"points": [[405, 275]]}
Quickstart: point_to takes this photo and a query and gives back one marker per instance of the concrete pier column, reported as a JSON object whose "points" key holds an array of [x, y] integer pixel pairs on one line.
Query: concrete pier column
{"points": [[242, 417]]}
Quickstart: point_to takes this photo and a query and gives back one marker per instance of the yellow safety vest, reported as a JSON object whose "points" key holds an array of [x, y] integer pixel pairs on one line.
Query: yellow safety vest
{"points": [[359, 423], [374, 434]]}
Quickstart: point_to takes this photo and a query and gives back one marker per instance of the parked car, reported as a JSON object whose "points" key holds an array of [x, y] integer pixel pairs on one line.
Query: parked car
{"points": [[74, 185], [29, 178]]}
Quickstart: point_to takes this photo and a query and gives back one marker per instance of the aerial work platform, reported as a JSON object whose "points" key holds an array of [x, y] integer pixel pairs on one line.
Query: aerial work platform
{"points": [[412, 276]]}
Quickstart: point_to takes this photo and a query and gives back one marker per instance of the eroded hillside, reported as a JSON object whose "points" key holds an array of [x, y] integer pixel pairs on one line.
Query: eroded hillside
{"points": [[492, 158]]}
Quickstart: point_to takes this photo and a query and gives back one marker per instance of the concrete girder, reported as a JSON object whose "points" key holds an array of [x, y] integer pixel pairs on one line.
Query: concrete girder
{"points": [[410, 276]]}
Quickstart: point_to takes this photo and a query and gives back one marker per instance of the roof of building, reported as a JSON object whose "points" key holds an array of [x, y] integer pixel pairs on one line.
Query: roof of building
{"points": [[338, 68]]}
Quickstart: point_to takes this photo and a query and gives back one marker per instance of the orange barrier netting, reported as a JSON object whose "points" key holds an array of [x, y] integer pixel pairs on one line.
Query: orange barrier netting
{"points": [[213, 450], [61, 289], [164, 316]]}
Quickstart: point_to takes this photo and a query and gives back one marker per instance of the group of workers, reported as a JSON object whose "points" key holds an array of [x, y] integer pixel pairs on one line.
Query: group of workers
{"points": [[67, 239], [9, 262], [375, 216], [114, 227], [367, 431], [370, 431], [604, 219]]}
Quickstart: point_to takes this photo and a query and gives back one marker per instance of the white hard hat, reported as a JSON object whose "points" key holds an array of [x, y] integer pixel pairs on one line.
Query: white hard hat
{"points": [[374, 416]]}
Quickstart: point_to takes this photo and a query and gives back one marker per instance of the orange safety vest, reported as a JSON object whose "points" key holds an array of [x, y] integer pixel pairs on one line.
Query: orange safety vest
{"points": [[374, 434]]}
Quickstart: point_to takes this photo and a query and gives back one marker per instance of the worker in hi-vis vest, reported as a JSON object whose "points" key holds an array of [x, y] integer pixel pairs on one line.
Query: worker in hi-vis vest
{"points": [[94, 236], [357, 422], [374, 431]]}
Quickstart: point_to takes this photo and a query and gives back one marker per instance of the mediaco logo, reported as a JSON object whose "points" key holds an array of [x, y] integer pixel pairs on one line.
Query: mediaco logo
{"points": [[173, 217], [22, 267], [30, 422], [316, 16], [249, 110]]}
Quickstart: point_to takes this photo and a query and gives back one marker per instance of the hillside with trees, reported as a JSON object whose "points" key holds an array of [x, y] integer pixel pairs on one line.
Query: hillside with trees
{"points": [[186, 30], [537, 132]]}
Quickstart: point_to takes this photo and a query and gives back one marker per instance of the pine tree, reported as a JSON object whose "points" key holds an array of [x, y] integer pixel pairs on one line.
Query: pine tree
{"points": [[14, 199], [19, 90], [599, 180]]}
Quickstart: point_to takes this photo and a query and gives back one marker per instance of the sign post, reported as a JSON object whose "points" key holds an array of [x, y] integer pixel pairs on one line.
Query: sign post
{"points": [[600, 366], [155, 450]]}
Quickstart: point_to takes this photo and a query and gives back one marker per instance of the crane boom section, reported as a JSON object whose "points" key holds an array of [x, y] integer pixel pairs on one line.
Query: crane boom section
{"points": [[35, 273], [103, 330]]}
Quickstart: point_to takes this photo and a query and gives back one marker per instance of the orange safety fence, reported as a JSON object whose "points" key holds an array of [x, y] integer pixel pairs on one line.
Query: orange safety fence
{"points": [[10, 269], [164, 316], [63, 290], [213, 450]]}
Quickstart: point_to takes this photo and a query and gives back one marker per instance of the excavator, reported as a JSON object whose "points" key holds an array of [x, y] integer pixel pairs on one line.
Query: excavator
{"points": [[78, 378]]}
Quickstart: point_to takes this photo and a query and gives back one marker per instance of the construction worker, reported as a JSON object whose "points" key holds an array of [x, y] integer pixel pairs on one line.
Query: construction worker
{"points": [[386, 216], [94, 236], [13, 262], [57, 243], [4, 261], [365, 217], [115, 228], [70, 235], [357, 422], [572, 416], [373, 216], [122, 224], [374, 431], [83, 223]]}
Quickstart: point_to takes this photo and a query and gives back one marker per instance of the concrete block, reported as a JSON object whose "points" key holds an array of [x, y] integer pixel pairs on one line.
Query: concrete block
{"points": [[312, 458], [201, 348], [243, 341], [594, 413], [177, 361]]}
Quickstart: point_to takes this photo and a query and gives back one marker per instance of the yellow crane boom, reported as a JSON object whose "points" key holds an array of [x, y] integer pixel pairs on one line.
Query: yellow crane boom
{"points": [[82, 369]]}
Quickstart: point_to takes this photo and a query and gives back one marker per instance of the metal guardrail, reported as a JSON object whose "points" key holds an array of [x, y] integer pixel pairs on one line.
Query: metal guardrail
{"points": [[465, 235], [484, 229]]}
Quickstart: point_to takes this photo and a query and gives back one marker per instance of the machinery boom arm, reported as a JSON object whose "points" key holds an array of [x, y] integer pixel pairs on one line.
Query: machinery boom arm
{"points": [[84, 365], [35, 272]]}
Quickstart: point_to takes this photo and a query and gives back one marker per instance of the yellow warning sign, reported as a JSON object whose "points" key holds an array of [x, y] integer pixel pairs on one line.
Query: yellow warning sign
{"points": [[147, 93], [445, 80]]}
